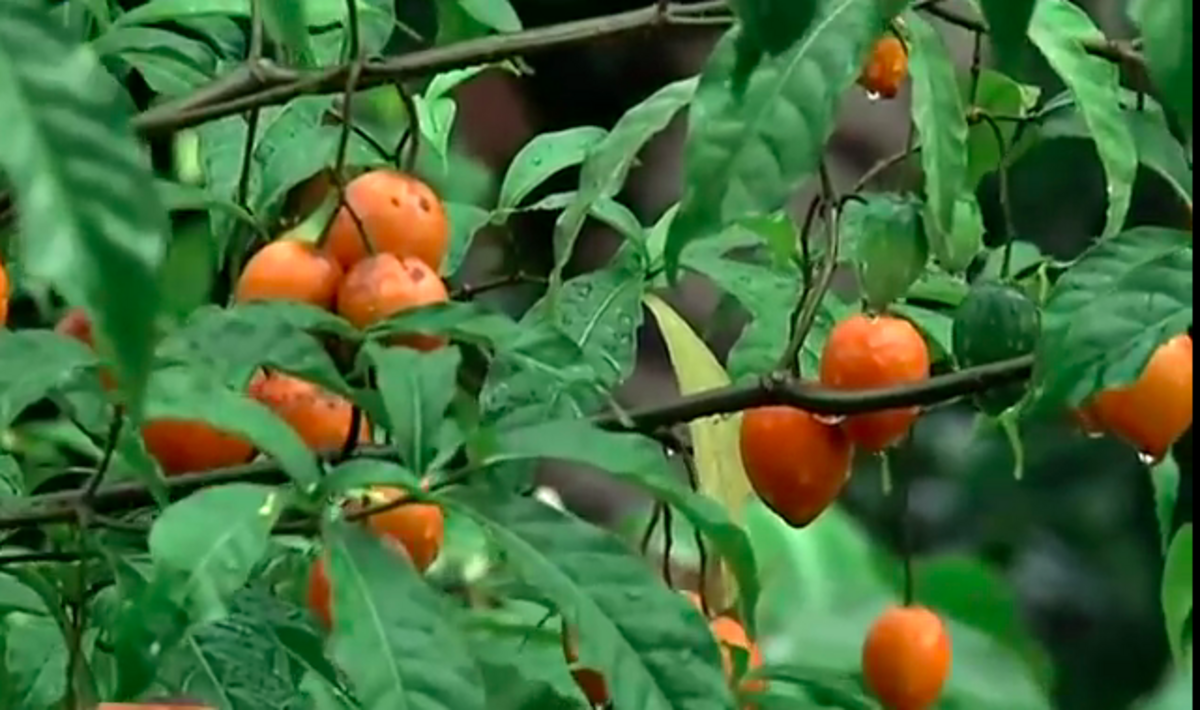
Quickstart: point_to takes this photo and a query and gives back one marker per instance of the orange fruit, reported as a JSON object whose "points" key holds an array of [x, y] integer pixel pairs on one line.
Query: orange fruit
{"points": [[730, 634], [906, 658], [320, 593], [321, 418], [182, 446], [875, 352], [886, 68], [290, 270], [3, 295], [76, 324], [383, 285], [401, 214], [795, 463], [1154, 411], [418, 527]]}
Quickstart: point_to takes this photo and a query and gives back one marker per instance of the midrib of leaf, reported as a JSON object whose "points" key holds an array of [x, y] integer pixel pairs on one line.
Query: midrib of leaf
{"points": [[205, 559], [377, 630], [752, 126], [209, 672], [418, 434], [550, 569]]}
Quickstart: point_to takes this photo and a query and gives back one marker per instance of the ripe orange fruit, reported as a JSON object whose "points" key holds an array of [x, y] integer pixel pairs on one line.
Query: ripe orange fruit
{"points": [[886, 68], [182, 446], [402, 215], [384, 285], [3, 295], [291, 270], [730, 634], [872, 352], [906, 658], [1154, 411], [418, 527], [796, 464], [321, 418]]}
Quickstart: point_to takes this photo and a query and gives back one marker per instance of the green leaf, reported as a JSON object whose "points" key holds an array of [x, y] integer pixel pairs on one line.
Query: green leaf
{"points": [[1160, 152], [1059, 30], [1164, 476], [33, 363], [940, 118], [184, 393], [890, 246], [285, 22], [1008, 27], [748, 151], [416, 388], [771, 26], [637, 460], [465, 222], [1166, 27], [90, 224], [630, 626], [35, 658], [609, 161], [388, 635], [996, 95], [542, 157], [16, 596], [208, 564], [170, 63], [496, 14], [1110, 311], [956, 249], [1177, 590]]}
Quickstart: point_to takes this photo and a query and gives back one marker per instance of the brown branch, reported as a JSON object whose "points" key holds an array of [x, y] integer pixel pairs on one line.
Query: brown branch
{"points": [[774, 389], [244, 90]]}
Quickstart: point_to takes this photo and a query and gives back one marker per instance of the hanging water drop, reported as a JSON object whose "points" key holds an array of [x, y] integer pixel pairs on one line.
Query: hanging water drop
{"points": [[1149, 459], [830, 419], [873, 96]]}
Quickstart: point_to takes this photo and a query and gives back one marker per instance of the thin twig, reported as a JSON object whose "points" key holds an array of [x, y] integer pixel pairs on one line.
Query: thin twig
{"points": [[467, 292], [239, 93], [648, 533], [773, 389], [411, 137], [883, 166]]}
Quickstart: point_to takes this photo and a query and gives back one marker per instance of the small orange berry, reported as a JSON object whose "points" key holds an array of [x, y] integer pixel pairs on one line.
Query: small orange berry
{"points": [[401, 214], [182, 446], [419, 527], [906, 658], [875, 352], [290, 270], [3, 295], [1154, 411], [886, 68], [322, 419], [795, 463], [383, 285]]}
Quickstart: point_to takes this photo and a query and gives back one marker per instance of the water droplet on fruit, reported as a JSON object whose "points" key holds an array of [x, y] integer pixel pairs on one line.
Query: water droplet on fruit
{"points": [[830, 419], [1093, 434], [873, 96], [1148, 459]]}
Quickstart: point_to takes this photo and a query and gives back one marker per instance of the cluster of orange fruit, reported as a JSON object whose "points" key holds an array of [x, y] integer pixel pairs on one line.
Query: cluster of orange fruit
{"points": [[409, 235], [3, 295], [886, 68]]}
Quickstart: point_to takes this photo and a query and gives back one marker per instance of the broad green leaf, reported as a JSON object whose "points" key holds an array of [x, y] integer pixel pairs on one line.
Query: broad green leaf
{"points": [[542, 157], [630, 625], [147, 624], [1177, 589], [608, 162], [748, 151], [956, 250], [718, 460], [1159, 151], [936, 326], [232, 343], [1164, 476], [1059, 30], [1166, 27], [317, 13], [33, 363], [398, 651], [416, 388], [35, 658], [208, 564], [1110, 311], [496, 14], [16, 596], [285, 22], [90, 224], [171, 63], [940, 118], [891, 249], [769, 26], [997, 95], [639, 461], [465, 222], [184, 393], [1008, 27]]}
